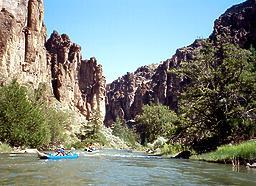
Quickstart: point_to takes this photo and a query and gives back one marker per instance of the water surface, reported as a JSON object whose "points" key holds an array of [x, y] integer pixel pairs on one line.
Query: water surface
{"points": [[113, 167]]}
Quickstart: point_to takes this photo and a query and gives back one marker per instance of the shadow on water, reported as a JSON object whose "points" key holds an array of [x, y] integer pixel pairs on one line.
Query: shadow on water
{"points": [[116, 167]]}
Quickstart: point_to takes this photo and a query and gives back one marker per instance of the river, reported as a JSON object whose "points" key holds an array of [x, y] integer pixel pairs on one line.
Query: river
{"points": [[117, 167]]}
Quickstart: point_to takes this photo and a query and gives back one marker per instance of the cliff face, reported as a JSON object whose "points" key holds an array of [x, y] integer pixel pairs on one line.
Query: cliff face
{"points": [[237, 25], [126, 95], [76, 83], [26, 56], [22, 39]]}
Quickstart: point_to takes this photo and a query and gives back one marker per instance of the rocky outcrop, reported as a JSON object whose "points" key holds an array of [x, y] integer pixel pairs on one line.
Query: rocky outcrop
{"points": [[182, 155], [76, 83], [149, 84], [22, 39], [126, 95], [237, 25]]}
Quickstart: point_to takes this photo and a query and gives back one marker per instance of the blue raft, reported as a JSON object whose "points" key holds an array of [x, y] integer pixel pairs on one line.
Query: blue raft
{"points": [[54, 157]]}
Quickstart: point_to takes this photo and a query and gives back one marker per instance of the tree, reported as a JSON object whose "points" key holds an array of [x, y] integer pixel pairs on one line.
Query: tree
{"points": [[21, 123], [218, 100], [121, 130], [155, 121], [91, 131], [26, 120], [56, 120]]}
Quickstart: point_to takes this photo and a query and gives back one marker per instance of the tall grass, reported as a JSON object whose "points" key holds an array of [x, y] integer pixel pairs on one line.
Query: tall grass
{"points": [[5, 148], [231, 153]]}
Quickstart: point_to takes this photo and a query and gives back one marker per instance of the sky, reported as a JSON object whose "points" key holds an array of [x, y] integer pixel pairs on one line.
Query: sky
{"points": [[126, 34]]}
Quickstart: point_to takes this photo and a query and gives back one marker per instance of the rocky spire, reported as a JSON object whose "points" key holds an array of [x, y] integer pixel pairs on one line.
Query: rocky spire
{"points": [[77, 83]]}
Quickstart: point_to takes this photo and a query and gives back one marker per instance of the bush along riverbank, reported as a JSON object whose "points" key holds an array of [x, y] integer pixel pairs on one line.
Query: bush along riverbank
{"points": [[5, 148], [239, 154]]}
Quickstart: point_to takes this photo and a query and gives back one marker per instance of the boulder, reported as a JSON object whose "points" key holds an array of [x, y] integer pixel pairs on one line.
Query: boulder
{"points": [[182, 155]]}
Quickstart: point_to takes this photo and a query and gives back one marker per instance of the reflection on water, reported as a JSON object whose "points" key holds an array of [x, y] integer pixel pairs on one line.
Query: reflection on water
{"points": [[112, 167]]}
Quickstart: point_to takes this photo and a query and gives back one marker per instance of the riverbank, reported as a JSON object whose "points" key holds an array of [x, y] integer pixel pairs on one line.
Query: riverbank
{"points": [[239, 154]]}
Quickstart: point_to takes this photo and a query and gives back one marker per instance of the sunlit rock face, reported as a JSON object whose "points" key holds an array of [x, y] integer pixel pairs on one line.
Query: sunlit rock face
{"points": [[76, 83], [22, 39], [237, 25], [127, 95]]}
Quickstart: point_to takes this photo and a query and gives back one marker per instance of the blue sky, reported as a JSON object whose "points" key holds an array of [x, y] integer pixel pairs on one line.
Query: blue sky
{"points": [[126, 34]]}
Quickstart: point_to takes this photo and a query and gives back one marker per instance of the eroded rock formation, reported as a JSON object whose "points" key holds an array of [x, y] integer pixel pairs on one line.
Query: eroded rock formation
{"points": [[22, 39], [126, 95], [126, 98], [77, 83], [237, 25], [149, 84]]}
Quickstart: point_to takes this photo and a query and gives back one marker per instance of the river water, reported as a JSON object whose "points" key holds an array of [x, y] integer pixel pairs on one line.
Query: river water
{"points": [[116, 167]]}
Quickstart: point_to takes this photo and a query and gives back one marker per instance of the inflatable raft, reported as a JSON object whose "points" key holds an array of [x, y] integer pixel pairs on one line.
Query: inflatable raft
{"points": [[57, 157]]}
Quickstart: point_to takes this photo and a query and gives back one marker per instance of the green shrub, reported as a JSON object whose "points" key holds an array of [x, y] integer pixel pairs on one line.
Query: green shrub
{"points": [[22, 123], [157, 120], [56, 120], [172, 148], [27, 121], [91, 131], [123, 132], [224, 153], [5, 148]]}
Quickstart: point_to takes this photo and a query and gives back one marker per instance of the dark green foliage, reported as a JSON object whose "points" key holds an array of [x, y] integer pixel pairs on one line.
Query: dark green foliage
{"points": [[90, 132], [218, 102], [244, 152], [157, 120], [57, 121], [27, 121], [21, 123], [123, 132]]}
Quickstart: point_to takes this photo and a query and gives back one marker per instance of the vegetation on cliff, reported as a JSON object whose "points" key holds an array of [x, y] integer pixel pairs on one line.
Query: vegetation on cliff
{"points": [[218, 100], [90, 132]]}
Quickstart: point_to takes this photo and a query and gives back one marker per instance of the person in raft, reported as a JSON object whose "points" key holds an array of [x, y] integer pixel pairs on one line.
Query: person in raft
{"points": [[60, 151], [91, 148]]}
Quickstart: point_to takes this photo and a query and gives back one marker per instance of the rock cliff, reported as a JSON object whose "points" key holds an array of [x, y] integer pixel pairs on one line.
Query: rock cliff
{"points": [[126, 97], [22, 39], [77, 83], [237, 25], [25, 55]]}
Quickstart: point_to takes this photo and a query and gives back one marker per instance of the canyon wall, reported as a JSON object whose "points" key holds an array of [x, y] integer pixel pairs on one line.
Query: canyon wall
{"points": [[22, 39], [78, 84], [125, 97], [25, 55]]}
